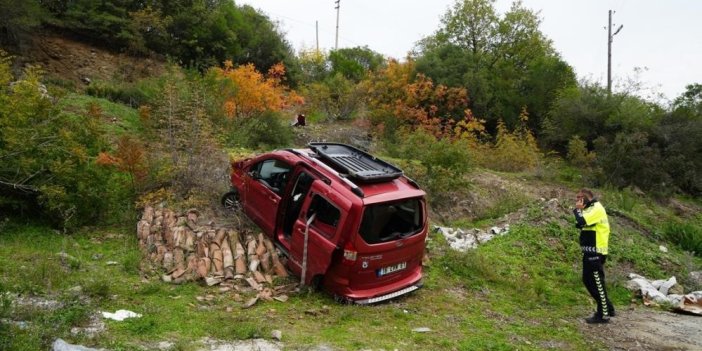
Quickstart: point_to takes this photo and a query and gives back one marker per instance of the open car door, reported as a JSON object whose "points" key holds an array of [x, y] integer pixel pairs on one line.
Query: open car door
{"points": [[315, 232]]}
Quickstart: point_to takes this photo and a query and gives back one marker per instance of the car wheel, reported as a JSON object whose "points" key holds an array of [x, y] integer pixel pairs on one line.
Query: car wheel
{"points": [[230, 201]]}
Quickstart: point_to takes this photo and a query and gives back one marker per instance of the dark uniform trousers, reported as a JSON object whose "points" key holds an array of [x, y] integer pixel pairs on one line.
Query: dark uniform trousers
{"points": [[594, 280]]}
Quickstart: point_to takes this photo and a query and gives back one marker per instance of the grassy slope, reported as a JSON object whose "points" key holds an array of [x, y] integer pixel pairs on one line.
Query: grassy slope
{"points": [[521, 291]]}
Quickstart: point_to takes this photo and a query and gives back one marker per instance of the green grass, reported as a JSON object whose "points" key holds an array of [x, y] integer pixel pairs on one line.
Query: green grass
{"points": [[119, 119], [519, 291]]}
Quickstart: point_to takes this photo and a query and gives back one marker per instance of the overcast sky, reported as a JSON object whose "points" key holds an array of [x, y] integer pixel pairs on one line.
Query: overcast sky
{"points": [[661, 37]]}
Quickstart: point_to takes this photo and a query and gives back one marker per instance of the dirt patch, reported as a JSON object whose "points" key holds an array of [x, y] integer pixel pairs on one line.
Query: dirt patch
{"points": [[648, 329], [69, 59]]}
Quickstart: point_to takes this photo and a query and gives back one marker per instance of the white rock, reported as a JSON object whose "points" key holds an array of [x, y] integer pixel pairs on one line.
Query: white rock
{"points": [[277, 334], [421, 330], [658, 283], [495, 230], [675, 299], [60, 345], [663, 248], [120, 315], [635, 276], [667, 285]]}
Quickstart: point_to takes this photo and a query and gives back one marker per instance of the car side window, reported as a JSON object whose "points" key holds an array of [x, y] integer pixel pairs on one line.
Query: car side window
{"points": [[327, 218], [272, 173]]}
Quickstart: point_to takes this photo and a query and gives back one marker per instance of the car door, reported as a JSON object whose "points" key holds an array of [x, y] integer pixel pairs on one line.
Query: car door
{"points": [[266, 183], [322, 219]]}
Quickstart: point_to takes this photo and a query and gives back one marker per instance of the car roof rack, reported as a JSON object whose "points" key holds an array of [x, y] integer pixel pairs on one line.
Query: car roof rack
{"points": [[354, 163]]}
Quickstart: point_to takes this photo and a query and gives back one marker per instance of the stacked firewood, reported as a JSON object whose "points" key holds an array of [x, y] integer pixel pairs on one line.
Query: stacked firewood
{"points": [[189, 250]]}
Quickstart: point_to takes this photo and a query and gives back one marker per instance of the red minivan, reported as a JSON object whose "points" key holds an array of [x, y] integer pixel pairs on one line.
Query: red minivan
{"points": [[349, 222]]}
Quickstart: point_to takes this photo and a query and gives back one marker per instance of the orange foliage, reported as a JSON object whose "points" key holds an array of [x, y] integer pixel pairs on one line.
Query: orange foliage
{"points": [[254, 93], [128, 158], [415, 100]]}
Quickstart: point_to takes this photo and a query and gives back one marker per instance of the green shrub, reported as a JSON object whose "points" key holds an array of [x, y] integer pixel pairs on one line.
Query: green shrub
{"points": [[265, 131], [629, 159], [578, 154], [443, 162], [127, 94], [688, 236]]}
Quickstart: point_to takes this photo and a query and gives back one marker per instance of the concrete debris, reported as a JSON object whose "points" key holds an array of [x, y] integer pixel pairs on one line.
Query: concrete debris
{"points": [[421, 330], [61, 345], [465, 239], [663, 248], [663, 292], [277, 335], [120, 315]]}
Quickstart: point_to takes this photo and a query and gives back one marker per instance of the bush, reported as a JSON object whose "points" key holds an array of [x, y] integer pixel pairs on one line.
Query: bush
{"points": [[443, 162], [264, 131], [514, 150], [128, 94], [48, 156], [688, 236], [630, 160], [578, 154]]}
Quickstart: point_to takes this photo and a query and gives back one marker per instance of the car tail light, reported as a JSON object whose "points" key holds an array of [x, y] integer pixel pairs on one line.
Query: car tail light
{"points": [[350, 254]]}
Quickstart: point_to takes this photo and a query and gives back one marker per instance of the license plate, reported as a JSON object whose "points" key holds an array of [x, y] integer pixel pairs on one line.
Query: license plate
{"points": [[390, 269]]}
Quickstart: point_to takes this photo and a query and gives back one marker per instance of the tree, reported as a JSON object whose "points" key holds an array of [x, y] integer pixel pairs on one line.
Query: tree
{"points": [[252, 92], [355, 63], [504, 62], [17, 18], [47, 156]]}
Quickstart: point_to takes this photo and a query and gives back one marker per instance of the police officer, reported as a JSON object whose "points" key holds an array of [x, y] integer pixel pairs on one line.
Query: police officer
{"points": [[591, 219]]}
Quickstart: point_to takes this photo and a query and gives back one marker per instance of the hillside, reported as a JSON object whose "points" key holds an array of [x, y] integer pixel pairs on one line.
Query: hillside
{"points": [[521, 290]]}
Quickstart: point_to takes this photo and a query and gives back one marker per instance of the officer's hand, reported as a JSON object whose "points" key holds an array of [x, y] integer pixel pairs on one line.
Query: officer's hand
{"points": [[579, 204]]}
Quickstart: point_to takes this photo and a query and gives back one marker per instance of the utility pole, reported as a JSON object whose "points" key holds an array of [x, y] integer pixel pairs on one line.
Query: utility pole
{"points": [[336, 43], [316, 31], [610, 38]]}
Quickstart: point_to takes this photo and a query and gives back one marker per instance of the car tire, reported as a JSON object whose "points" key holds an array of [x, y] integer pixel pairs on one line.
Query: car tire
{"points": [[231, 201]]}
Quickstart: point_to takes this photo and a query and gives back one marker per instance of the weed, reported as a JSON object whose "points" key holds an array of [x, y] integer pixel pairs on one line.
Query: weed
{"points": [[97, 288], [140, 326], [687, 235], [131, 261]]}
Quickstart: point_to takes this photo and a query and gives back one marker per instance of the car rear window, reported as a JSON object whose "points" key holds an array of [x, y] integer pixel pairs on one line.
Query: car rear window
{"points": [[390, 221]]}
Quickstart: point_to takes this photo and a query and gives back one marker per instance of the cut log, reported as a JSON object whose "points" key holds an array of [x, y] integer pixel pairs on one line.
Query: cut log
{"points": [[266, 263], [168, 260], [148, 214], [252, 283], [279, 269], [178, 273], [189, 245], [203, 249], [179, 258], [203, 266], [260, 246], [220, 236], [240, 259], [217, 262], [143, 229], [227, 257], [253, 264], [250, 246], [259, 277], [179, 237]]}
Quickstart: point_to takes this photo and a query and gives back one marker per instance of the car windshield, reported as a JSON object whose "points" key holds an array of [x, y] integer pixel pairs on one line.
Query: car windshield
{"points": [[390, 221]]}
